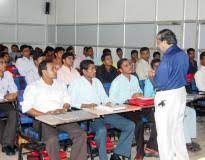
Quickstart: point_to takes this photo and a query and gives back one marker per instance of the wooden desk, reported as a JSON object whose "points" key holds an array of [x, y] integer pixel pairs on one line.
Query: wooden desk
{"points": [[68, 117]]}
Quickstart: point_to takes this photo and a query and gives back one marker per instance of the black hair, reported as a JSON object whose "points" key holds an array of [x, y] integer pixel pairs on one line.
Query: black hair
{"points": [[67, 54], [156, 53], [144, 49], [134, 51], [120, 62], [22, 47], [84, 65], [202, 55], [190, 50], [106, 52], [14, 45], [88, 48], [118, 50], [43, 66], [37, 55], [1, 55], [49, 49], [85, 49], [69, 48], [58, 49], [154, 61], [167, 35], [4, 53]]}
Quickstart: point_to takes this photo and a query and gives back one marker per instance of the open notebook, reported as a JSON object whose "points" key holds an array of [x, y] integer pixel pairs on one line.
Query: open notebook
{"points": [[112, 108]]}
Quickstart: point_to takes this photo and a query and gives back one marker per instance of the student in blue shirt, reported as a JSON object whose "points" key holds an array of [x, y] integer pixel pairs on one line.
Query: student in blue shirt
{"points": [[88, 92], [124, 87]]}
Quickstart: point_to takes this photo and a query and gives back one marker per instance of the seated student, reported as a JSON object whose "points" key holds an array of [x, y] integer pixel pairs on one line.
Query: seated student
{"points": [[49, 52], [15, 53], [200, 74], [88, 92], [48, 96], [190, 113], [7, 58], [156, 55], [124, 87], [190, 87], [143, 66], [38, 57], [134, 59], [58, 52], [106, 72], [26, 66], [71, 49], [67, 73], [80, 58], [8, 91]]}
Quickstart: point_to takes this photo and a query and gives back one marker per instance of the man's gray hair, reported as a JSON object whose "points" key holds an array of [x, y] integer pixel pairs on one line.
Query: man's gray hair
{"points": [[167, 35]]}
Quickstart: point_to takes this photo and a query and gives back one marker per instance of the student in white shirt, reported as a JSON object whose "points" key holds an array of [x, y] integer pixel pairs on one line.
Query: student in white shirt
{"points": [[26, 66], [67, 73], [38, 57], [143, 66], [200, 74], [58, 52], [88, 92], [8, 91], [49, 96]]}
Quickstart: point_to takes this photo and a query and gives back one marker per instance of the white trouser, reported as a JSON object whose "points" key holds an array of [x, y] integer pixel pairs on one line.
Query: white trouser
{"points": [[169, 115], [189, 124]]}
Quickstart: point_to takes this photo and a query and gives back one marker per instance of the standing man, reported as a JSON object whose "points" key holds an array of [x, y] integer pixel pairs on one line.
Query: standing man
{"points": [[170, 100]]}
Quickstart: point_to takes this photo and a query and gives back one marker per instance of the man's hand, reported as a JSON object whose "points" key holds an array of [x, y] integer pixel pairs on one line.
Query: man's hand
{"points": [[90, 106], [137, 95], [151, 74], [10, 96]]}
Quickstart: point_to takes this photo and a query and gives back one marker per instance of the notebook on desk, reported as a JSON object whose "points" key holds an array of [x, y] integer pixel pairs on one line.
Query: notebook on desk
{"points": [[112, 108]]}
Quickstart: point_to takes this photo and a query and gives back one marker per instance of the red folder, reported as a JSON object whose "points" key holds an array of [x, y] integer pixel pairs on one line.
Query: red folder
{"points": [[141, 101]]}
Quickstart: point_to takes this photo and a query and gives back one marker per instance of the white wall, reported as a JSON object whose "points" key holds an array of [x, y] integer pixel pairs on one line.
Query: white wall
{"points": [[24, 21], [129, 23], [102, 23]]}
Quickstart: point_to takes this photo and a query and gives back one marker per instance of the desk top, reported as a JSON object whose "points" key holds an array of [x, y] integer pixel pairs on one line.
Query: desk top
{"points": [[68, 117], [100, 112], [193, 97]]}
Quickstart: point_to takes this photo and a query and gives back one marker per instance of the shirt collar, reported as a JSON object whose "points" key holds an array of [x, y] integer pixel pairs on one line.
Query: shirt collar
{"points": [[44, 84], [170, 49], [30, 58], [66, 68], [125, 78]]}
